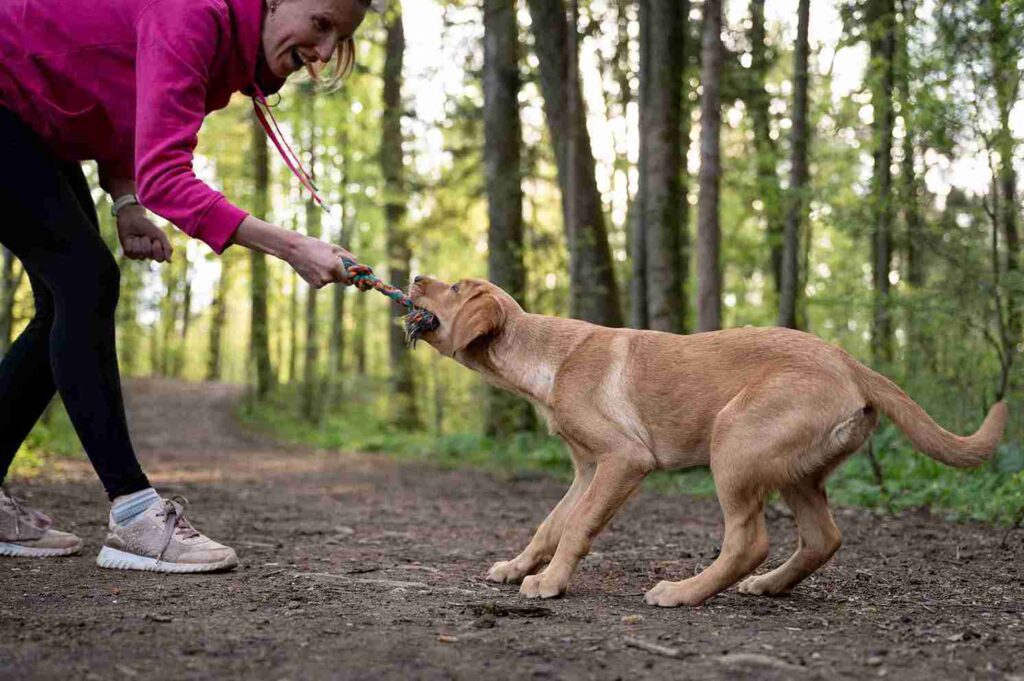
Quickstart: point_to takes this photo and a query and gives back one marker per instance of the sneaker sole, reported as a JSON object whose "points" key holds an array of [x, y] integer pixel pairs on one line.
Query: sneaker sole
{"points": [[112, 559], [22, 551]]}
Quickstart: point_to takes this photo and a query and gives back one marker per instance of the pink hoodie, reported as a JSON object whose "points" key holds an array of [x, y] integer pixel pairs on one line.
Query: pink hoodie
{"points": [[128, 83]]}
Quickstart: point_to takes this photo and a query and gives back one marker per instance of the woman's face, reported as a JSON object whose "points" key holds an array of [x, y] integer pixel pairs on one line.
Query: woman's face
{"points": [[300, 32]]}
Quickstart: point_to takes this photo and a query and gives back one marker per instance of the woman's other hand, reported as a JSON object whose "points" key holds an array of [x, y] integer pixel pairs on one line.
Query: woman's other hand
{"points": [[140, 238]]}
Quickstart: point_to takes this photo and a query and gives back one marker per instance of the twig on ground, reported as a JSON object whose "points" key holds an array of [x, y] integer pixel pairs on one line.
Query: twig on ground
{"points": [[653, 647]]}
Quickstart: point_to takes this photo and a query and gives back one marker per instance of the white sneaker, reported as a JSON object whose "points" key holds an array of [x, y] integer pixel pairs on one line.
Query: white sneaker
{"points": [[161, 539], [26, 532]]}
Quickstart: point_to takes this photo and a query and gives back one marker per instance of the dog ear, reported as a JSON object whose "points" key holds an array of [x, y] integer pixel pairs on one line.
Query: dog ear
{"points": [[477, 318]]}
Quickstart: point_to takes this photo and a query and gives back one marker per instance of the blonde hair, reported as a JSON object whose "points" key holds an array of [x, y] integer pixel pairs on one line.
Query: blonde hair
{"points": [[345, 60], [344, 63]]}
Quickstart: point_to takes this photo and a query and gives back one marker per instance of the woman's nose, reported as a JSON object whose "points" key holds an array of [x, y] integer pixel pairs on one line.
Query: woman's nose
{"points": [[325, 49]]}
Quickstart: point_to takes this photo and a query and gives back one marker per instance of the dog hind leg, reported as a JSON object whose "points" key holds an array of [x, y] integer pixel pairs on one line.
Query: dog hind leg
{"points": [[819, 539], [744, 548]]}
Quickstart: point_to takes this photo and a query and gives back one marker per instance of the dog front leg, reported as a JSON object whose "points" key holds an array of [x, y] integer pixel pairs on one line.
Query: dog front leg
{"points": [[545, 539], [615, 479]]}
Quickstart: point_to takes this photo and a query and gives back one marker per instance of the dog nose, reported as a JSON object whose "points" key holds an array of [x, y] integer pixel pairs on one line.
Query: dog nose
{"points": [[418, 278]]}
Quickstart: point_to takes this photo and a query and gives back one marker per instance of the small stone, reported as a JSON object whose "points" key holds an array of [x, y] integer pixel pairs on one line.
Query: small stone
{"points": [[632, 619]]}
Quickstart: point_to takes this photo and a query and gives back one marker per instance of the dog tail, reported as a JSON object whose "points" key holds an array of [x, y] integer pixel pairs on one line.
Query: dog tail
{"points": [[927, 436]]}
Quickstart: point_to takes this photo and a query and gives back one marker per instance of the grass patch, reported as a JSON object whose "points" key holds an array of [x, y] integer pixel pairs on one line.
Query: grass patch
{"points": [[994, 492], [52, 437]]}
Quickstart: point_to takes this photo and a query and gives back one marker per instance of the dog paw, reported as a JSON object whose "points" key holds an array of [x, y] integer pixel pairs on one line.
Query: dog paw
{"points": [[540, 586], [760, 585], [507, 572], [672, 594]]}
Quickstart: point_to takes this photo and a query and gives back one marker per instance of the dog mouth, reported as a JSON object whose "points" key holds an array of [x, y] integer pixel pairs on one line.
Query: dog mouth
{"points": [[420, 320]]}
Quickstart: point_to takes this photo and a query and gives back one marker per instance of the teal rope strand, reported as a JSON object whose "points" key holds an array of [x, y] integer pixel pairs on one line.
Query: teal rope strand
{"points": [[417, 321]]}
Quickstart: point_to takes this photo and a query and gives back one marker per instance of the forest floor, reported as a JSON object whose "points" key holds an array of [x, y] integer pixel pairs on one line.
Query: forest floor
{"points": [[357, 566]]}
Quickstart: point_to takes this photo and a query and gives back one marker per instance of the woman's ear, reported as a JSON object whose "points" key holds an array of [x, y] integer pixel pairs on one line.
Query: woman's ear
{"points": [[479, 317]]}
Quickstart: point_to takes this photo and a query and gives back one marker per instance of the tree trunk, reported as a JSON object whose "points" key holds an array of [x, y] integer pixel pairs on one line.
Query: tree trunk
{"points": [[709, 267], [593, 294], [186, 318], [293, 331], [336, 344], [506, 413], [359, 332], [1006, 80], [169, 319], [661, 206], [797, 201], [881, 18], [392, 167], [259, 337], [311, 387], [218, 316], [638, 308], [765, 148]]}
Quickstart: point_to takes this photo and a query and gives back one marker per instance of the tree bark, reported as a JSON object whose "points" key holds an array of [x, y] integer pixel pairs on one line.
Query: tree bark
{"points": [[797, 209], [709, 268], [293, 330], [392, 167], [336, 343], [766, 149], [593, 293], [1006, 79], [186, 318], [218, 316], [658, 214], [311, 387], [259, 337], [505, 413], [881, 18]]}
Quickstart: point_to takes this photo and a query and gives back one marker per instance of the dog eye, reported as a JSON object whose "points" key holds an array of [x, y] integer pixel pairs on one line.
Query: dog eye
{"points": [[455, 288]]}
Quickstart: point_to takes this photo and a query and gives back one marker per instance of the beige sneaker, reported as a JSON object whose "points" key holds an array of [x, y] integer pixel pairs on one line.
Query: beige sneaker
{"points": [[161, 539], [27, 532]]}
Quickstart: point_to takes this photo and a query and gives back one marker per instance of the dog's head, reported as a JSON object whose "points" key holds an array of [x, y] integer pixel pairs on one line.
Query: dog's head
{"points": [[469, 311]]}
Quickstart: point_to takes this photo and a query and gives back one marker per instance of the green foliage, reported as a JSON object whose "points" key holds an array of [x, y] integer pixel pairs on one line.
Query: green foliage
{"points": [[52, 437], [994, 492], [366, 425]]}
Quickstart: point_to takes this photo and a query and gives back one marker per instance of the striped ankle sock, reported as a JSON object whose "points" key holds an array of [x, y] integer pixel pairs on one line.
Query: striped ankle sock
{"points": [[132, 505]]}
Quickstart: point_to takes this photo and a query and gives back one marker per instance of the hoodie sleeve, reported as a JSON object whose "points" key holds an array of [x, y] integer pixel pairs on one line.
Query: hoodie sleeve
{"points": [[177, 45]]}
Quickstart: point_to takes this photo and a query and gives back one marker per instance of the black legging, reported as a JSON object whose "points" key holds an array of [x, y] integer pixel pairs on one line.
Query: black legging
{"points": [[48, 220]]}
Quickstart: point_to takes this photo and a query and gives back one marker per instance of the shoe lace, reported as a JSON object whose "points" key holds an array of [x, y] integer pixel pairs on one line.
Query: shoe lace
{"points": [[25, 515], [175, 522]]}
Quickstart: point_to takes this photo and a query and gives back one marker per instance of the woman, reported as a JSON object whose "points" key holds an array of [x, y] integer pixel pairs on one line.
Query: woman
{"points": [[127, 83]]}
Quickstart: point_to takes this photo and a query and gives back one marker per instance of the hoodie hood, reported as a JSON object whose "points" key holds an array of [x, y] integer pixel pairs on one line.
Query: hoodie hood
{"points": [[248, 67]]}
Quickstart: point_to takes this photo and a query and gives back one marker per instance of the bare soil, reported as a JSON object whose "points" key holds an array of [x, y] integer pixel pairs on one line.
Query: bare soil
{"points": [[358, 566]]}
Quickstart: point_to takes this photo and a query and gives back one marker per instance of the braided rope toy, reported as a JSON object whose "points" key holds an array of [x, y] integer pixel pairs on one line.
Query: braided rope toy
{"points": [[417, 322]]}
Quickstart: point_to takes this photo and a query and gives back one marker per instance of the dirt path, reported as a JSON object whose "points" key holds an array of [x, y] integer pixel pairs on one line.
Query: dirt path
{"points": [[363, 567]]}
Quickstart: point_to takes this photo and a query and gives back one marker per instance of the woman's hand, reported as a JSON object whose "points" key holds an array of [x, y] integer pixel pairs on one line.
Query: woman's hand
{"points": [[318, 262], [140, 238]]}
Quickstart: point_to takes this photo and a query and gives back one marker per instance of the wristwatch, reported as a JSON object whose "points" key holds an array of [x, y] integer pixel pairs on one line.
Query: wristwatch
{"points": [[121, 202]]}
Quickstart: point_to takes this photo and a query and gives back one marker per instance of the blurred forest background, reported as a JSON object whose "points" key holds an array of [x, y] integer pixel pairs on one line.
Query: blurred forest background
{"points": [[847, 167]]}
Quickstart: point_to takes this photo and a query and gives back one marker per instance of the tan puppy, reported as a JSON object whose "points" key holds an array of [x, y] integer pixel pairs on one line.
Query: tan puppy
{"points": [[766, 408]]}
